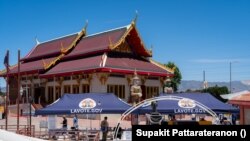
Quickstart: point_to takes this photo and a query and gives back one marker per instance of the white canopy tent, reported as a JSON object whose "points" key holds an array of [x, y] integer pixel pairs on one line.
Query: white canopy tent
{"points": [[10, 136], [230, 96]]}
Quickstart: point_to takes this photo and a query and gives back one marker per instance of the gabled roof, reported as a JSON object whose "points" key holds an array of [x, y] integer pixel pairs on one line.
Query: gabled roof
{"points": [[109, 40], [50, 48], [132, 36], [74, 66], [97, 42], [31, 67], [129, 64], [65, 54], [3, 72], [103, 63]]}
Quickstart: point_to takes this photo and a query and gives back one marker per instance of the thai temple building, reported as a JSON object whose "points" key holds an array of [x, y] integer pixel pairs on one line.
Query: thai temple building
{"points": [[104, 62]]}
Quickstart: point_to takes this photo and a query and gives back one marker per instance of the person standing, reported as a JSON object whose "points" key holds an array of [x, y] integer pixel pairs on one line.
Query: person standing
{"points": [[64, 123], [104, 128], [75, 122]]}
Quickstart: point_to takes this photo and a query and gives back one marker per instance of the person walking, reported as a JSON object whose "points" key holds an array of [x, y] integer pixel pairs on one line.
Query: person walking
{"points": [[75, 122], [104, 128]]}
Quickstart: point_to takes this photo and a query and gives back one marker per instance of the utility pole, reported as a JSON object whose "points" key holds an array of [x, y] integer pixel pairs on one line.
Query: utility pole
{"points": [[6, 63], [230, 77], [18, 91], [205, 85], [204, 76]]}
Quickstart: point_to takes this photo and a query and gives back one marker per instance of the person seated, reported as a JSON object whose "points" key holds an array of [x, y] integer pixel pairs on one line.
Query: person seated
{"points": [[172, 120], [224, 121], [202, 119], [164, 122]]}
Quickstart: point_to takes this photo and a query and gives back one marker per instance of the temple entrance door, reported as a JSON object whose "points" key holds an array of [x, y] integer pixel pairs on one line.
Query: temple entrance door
{"points": [[39, 93], [143, 89]]}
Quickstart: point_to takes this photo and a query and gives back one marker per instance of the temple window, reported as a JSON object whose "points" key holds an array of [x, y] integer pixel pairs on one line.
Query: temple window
{"points": [[152, 91], [66, 89], [35, 77], [67, 78], [118, 90], [85, 88], [74, 77], [58, 92], [23, 78], [50, 94], [50, 80], [36, 86], [75, 89]]}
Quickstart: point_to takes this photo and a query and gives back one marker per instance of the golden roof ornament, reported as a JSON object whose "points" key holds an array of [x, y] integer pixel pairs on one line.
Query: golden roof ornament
{"points": [[37, 42], [86, 25], [135, 19], [63, 50]]}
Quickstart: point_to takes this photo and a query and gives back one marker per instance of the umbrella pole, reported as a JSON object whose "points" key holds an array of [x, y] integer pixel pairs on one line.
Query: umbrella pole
{"points": [[91, 123], [87, 127]]}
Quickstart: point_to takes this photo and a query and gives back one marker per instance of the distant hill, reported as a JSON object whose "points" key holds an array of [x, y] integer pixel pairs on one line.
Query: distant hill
{"points": [[195, 85]]}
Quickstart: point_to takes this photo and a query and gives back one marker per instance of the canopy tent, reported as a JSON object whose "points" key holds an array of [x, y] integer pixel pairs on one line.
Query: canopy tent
{"points": [[187, 106], [230, 96], [87, 103]]}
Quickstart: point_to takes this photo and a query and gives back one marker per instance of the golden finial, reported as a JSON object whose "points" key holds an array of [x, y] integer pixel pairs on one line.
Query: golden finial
{"points": [[63, 50], [151, 49], [37, 42], [135, 72], [86, 25], [135, 19], [84, 30]]}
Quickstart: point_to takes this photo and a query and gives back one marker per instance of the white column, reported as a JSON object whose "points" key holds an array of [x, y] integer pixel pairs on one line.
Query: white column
{"points": [[54, 88], [62, 89]]}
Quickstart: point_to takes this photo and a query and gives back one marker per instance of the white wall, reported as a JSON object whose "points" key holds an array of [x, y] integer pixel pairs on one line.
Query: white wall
{"points": [[155, 83], [120, 81], [97, 87]]}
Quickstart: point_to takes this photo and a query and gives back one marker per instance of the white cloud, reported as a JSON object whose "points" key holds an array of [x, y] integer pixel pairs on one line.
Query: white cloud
{"points": [[246, 82], [217, 60]]}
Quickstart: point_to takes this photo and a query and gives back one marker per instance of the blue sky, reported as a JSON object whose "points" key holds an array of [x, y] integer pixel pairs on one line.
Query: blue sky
{"points": [[195, 34]]}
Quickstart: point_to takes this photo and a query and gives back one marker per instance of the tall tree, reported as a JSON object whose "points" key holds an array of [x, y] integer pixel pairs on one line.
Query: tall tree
{"points": [[217, 91], [176, 80]]}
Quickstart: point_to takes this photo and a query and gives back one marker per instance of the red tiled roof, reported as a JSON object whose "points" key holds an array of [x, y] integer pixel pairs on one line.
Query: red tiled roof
{"points": [[31, 66], [121, 65], [131, 64], [97, 42], [74, 66], [136, 42], [50, 48]]}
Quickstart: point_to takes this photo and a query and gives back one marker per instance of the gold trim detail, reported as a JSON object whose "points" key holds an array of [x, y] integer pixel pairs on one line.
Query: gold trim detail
{"points": [[66, 50], [122, 39], [162, 66], [103, 77]]}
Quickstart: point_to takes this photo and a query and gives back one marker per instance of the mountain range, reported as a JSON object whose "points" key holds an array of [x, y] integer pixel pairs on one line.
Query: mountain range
{"points": [[196, 85]]}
